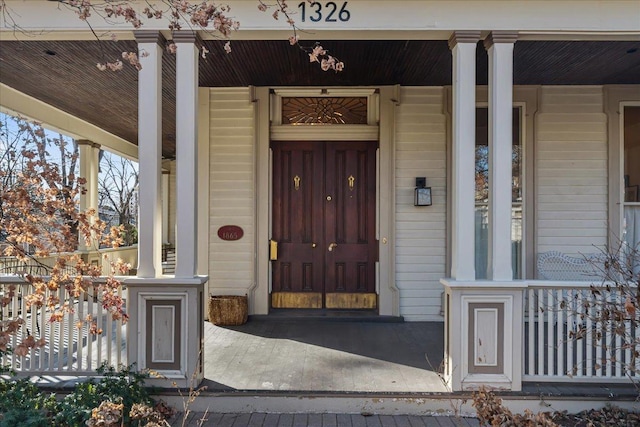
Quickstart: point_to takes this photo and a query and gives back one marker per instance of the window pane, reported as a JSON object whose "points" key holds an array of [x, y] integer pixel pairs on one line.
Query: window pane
{"points": [[631, 224], [482, 195], [632, 154]]}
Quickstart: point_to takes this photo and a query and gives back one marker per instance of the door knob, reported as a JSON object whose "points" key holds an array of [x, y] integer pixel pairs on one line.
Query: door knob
{"points": [[332, 246], [313, 245], [328, 198]]}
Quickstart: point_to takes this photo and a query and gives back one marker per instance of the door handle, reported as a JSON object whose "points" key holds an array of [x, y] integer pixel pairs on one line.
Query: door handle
{"points": [[313, 245], [273, 250], [332, 246]]}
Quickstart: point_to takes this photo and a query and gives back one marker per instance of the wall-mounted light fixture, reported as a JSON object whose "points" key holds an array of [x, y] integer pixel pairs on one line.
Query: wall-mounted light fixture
{"points": [[422, 195]]}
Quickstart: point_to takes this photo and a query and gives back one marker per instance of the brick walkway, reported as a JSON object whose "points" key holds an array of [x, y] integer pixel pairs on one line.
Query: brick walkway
{"points": [[320, 420]]}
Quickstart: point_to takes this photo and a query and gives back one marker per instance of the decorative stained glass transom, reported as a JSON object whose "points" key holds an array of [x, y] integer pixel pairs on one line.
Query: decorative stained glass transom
{"points": [[324, 111]]}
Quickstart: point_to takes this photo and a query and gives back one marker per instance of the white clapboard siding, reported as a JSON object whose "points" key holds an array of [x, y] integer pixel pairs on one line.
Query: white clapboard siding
{"points": [[231, 192], [420, 231], [571, 170]]}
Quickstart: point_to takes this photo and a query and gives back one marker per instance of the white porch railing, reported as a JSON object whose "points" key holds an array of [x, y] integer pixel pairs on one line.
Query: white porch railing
{"points": [[554, 313], [42, 265], [71, 349]]}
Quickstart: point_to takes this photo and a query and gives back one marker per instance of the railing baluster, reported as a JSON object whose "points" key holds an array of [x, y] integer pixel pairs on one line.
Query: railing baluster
{"points": [[14, 339], [100, 324], [119, 337], [532, 338], [569, 306], [589, 336], [33, 320], [25, 327], [53, 337], [44, 326], [540, 317], [90, 337], [550, 326], [618, 369], [61, 344], [4, 312], [73, 329], [81, 328], [560, 371], [579, 366], [109, 338]]}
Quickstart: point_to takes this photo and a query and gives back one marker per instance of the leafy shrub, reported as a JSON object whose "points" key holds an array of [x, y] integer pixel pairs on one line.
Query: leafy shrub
{"points": [[22, 403], [125, 386]]}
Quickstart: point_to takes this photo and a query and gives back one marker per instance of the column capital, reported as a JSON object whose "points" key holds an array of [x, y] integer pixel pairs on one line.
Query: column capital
{"points": [[463, 37], [86, 142], [186, 36], [500, 37], [149, 36]]}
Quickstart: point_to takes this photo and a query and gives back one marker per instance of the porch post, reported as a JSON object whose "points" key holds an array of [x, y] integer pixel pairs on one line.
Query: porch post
{"points": [[150, 149], [499, 47], [463, 47], [165, 206], [186, 152], [89, 168]]}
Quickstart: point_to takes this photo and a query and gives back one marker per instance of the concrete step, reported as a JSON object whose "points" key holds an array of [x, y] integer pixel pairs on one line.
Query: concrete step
{"points": [[414, 404]]}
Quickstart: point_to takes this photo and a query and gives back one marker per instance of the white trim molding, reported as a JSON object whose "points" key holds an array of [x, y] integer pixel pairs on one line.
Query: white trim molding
{"points": [[325, 133], [143, 329]]}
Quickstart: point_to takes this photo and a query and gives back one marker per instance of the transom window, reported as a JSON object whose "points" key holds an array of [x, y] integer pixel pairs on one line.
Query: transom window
{"points": [[324, 110]]}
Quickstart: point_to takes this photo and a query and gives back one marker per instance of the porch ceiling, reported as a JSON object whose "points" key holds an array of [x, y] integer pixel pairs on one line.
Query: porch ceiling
{"points": [[63, 74]]}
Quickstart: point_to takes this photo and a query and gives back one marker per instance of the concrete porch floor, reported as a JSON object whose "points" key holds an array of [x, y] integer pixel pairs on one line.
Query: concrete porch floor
{"points": [[324, 355]]}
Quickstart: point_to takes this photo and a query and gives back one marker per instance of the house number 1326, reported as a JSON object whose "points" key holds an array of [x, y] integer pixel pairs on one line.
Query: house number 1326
{"points": [[328, 13]]}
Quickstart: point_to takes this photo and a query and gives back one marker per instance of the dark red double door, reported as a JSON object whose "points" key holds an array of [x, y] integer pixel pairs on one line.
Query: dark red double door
{"points": [[324, 223]]}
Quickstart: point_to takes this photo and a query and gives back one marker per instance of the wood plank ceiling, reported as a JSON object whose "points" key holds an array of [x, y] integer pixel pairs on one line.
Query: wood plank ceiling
{"points": [[63, 73]]}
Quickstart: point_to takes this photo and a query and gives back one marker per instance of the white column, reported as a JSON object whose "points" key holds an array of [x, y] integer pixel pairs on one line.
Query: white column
{"points": [[89, 168], [150, 149], [499, 46], [186, 153], [463, 47], [165, 206]]}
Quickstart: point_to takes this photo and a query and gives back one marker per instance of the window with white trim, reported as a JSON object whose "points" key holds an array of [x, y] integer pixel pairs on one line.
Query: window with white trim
{"points": [[631, 179], [482, 194]]}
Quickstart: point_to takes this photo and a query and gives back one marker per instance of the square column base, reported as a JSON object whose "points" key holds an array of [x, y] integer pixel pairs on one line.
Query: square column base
{"points": [[483, 334], [165, 333]]}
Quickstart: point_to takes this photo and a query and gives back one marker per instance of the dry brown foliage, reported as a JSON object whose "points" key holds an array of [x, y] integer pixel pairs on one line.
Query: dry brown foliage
{"points": [[491, 412], [39, 217]]}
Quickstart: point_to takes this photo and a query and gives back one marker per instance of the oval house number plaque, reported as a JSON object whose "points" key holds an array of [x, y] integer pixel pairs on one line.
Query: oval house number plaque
{"points": [[230, 232]]}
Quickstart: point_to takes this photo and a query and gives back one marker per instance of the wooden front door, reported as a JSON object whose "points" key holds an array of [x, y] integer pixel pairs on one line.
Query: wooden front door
{"points": [[324, 200]]}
